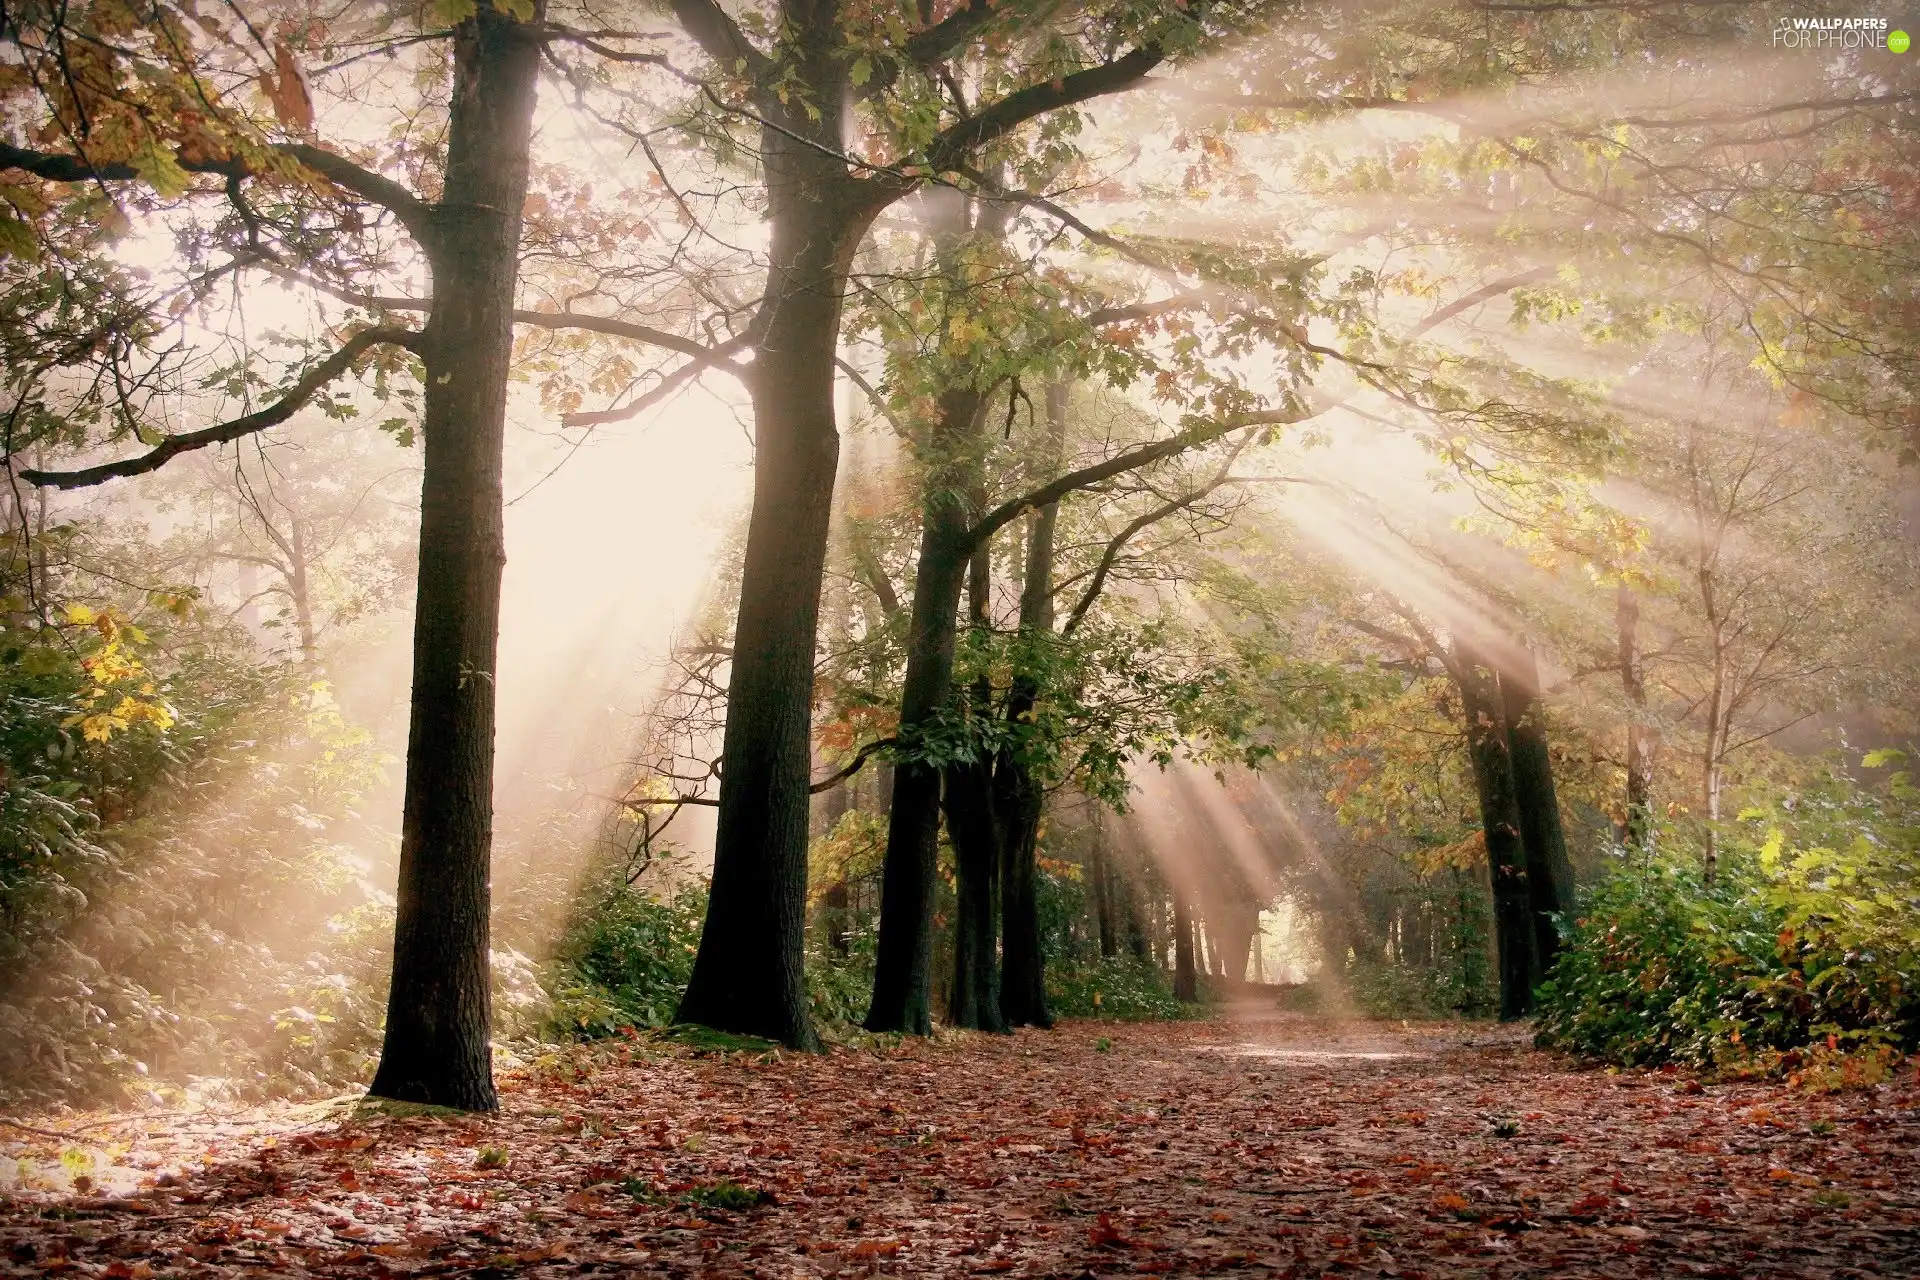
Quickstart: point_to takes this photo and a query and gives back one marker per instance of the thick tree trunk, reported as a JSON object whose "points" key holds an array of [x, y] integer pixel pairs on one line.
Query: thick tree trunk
{"points": [[903, 965], [749, 975], [1018, 794], [1018, 802], [1491, 756], [1186, 983], [1643, 740], [1549, 869], [439, 1010], [1019, 798], [975, 998]]}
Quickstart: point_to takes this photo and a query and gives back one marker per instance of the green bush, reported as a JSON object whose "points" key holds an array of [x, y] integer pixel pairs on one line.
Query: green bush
{"points": [[1412, 991], [1657, 967], [1118, 987], [1809, 938], [625, 958]]}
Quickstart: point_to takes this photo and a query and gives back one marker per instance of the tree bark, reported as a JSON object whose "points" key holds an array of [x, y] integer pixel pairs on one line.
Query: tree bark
{"points": [[1544, 839], [437, 1046], [1018, 802], [1105, 890], [975, 998], [1643, 741], [749, 975], [1491, 755], [903, 965], [1023, 976], [1186, 984], [1020, 799]]}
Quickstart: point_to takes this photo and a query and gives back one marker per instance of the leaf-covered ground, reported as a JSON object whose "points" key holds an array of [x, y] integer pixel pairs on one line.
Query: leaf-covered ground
{"points": [[1276, 1145]]}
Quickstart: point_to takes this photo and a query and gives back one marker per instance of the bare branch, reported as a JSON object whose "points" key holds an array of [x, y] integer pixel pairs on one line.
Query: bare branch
{"points": [[853, 766], [704, 356], [1486, 293], [1131, 460], [414, 213]]}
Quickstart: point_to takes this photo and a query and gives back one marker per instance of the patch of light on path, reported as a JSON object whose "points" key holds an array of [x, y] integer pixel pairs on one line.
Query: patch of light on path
{"points": [[1268, 1051]]}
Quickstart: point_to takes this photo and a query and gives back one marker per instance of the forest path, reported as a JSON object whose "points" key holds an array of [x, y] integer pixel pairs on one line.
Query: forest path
{"points": [[1258, 1144]]}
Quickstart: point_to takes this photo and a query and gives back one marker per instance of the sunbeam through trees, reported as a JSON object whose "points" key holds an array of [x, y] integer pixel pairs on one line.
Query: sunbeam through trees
{"points": [[1210, 605]]}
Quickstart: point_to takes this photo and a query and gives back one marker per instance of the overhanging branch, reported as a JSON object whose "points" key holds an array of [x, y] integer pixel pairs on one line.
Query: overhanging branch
{"points": [[1131, 460], [271, 416], [57, 166], [951, 147]]}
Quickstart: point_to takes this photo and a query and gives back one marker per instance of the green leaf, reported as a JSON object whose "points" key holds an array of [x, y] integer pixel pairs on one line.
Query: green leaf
{"points": [[452, 12], [147, 435], [17, 239], [862, 70], [159, 169]]}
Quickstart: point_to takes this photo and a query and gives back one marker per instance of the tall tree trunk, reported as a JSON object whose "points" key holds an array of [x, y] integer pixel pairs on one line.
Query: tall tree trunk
{"points": [[1018, 802], [1491, 756], [903, 965], [1186, 983], [1642, 739], [1139, 940], [749, 975], [437, 1046], [1105, 891], [1549, 869], [1020, 798], [977, 858]]}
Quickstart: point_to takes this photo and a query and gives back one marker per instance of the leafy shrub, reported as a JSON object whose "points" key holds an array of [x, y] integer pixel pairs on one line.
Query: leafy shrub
{"points": [[839, 986], [1807, 945], [1413, 991], [1657, 966], [1117, 987], [626, 956], [181, 873]]}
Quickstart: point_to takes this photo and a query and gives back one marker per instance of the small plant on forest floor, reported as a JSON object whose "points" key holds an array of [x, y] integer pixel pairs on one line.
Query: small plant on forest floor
{"points": [[707, 1040], [722, 1193], [491, 1158], [1103, 1045], [1117, 989]]}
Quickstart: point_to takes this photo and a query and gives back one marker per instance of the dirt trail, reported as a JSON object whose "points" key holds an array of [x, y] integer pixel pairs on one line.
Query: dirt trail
{"points": [[1264, 1145]]}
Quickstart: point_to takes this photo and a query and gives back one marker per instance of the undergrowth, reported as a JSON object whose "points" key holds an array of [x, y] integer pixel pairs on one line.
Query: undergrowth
{"points": [[1802, 958]]}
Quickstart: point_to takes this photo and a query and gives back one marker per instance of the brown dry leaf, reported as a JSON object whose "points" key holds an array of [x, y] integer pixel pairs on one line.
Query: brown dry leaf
{"points": [[286, 89], [1174, 1160]]}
